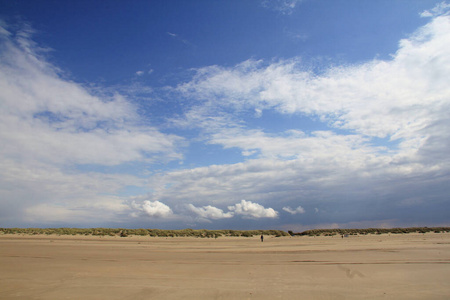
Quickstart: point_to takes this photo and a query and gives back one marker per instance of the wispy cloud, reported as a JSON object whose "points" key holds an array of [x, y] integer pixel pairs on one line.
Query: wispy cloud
{"points": [[178, 38], [442, 8], [282, 6], [298, 210], [49, 126]]}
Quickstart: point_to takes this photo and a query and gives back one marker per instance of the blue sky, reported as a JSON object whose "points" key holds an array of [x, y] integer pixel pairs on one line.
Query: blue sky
{"points": [[224, 114]]}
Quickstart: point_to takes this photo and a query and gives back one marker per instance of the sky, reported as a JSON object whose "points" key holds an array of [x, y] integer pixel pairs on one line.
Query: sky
{"points": [[254, 114]]}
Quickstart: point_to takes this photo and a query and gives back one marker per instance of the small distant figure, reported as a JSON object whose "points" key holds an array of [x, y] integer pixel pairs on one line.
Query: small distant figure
{"points": [[262, 238]]}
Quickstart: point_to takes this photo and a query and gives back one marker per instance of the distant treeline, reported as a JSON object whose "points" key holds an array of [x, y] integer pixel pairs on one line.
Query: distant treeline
{"points": [[331, 232], [202, 233]]}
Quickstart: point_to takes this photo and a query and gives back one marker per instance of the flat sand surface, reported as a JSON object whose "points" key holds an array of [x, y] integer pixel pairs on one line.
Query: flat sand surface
{"points": [[409, 266]]}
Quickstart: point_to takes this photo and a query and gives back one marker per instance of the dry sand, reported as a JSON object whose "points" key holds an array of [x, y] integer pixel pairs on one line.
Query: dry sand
{"points": [[410, 266]]}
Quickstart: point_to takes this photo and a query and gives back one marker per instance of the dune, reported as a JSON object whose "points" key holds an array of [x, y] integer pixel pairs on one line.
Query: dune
{"points": [[408, 266]]}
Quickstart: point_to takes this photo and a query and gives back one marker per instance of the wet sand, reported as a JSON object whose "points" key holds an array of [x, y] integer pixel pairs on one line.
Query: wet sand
{"points": [[409, 266]]}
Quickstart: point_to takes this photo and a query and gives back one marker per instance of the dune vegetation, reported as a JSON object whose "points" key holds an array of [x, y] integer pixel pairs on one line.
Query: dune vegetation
{"points": [[338, 231], [122, 232], [204, 233]]}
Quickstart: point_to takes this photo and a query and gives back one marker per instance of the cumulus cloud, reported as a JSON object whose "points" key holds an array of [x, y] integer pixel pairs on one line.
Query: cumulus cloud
{"points": [[298, 210], [248, 209], [210, 212], [153, 209]]}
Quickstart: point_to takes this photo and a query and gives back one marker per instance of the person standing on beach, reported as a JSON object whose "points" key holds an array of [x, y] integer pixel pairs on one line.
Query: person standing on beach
{"points": [[262, 238]]}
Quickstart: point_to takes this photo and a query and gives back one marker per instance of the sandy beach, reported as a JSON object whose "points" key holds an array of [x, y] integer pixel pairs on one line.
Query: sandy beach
{"points": [[409, 266]]}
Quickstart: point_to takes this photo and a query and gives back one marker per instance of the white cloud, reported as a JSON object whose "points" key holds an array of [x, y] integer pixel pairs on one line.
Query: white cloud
{"points": [[298, 210], [153, 209], [210, 212], [249, 209], [140, 73]]}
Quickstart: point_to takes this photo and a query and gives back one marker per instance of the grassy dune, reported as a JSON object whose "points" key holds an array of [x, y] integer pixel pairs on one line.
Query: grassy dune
{"points": [[122, 232], [331, 232]]}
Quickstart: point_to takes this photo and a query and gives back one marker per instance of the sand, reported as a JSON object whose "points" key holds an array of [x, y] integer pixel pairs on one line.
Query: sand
{"points": [[409, 266]]}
